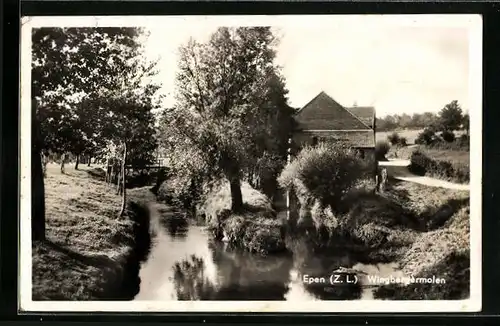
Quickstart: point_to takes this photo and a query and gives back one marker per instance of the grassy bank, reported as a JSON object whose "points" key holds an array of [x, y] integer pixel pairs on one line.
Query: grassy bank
{"points": [[256, 228], [89, 254], [431, 240], [443, 253], [423, 229]]}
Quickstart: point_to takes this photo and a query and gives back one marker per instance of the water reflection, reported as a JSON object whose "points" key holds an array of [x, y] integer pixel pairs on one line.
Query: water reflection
{"points": [[176, 226], [185, 264], [190, 280], [245, 276]]}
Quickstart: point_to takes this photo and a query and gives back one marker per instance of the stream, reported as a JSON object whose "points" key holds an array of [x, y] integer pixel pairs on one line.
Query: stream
{"points": [[185, 264]]}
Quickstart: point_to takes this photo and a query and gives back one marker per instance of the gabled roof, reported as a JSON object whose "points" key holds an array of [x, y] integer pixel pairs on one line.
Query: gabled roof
{"points": [[324, 113], [364, 113]]}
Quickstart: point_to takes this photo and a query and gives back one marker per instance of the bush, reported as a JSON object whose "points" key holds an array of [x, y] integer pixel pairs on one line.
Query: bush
{"points": [[426, 137], [421, 164], [403, 141], [181, 190], [448, 136], [381, 150], [393, 138], [186, 174], [264, 173], [326, 173]]}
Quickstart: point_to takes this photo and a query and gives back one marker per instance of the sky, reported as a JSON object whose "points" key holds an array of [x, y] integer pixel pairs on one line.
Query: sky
{"points": [[401, 66]]}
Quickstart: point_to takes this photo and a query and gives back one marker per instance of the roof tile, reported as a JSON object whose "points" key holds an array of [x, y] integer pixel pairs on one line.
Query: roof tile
{"points": [[324, 113]]}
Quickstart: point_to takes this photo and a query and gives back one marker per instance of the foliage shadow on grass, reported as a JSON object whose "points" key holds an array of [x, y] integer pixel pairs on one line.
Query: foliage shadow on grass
{"points": [[98, 261], [97, 174], [433, 217]]}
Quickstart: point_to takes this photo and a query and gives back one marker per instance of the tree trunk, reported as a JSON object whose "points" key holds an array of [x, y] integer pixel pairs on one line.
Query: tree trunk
{"points": [[77, 161], [90, 158], [63, 159], [43, 158], [112, 172], [108, 172], [37, 186], [37, 199], [124, 191], [236, 196], [118, 183]]}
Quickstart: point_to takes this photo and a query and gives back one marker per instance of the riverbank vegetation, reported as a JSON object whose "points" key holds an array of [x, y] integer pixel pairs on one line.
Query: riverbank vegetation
{"points": [[255, 227], [441, 253], [399, 224], [88, 253]]}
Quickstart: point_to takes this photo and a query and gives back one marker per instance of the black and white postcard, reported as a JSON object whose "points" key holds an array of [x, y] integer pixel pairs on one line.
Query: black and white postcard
{"points": [[292, 163]]}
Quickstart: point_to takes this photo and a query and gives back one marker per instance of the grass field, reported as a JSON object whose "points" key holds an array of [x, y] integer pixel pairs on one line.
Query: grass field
{"points": [[87, 246], [410, 135], [456, 156], [462, 157]]}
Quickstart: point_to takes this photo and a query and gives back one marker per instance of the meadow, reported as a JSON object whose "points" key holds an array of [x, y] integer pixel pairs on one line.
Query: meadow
{"points": [[88, 252], [409, 134], [443, 160]]}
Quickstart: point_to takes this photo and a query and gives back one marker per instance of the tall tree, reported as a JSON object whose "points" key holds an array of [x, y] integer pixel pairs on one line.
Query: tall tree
{"points": [[70, 66], [132, 131], [223, 97], [92, 86], [130, 123], [451, 116]]}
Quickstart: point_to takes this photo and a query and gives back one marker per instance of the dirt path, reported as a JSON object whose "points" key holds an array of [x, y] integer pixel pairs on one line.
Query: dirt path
{"points": [[398, 169]]}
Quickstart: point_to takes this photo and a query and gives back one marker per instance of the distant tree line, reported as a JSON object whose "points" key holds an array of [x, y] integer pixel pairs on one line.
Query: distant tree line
{"points": [[450, 118]]}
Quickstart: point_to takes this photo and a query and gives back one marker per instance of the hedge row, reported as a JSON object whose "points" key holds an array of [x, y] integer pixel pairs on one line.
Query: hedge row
{"points": [[421, 164]]}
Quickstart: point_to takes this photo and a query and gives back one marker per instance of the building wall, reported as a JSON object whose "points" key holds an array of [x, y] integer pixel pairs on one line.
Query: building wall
{"points": [[301, 139]]}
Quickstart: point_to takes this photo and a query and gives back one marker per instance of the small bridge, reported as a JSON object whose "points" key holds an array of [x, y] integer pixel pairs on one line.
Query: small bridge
{"points": [[135, 174]]}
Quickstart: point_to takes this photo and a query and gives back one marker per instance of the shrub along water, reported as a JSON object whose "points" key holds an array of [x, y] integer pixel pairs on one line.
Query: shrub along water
{"points": [[343, 210], [324, 173], [256, 228]]}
